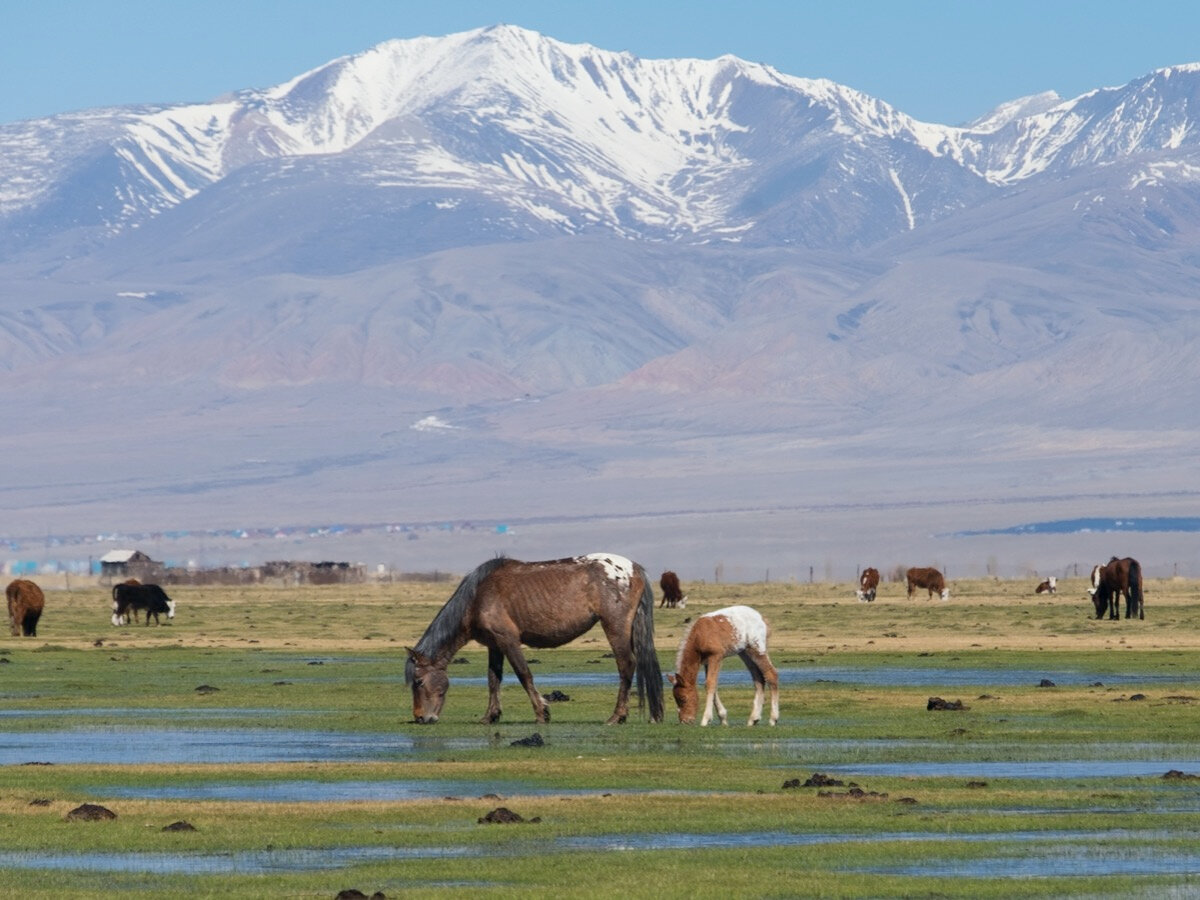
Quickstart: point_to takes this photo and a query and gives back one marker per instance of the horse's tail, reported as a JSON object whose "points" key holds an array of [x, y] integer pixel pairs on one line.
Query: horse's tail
{"points": [[1135, 590], [649, 675]]}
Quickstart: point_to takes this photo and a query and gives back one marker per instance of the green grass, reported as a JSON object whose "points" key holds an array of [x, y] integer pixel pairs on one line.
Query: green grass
{"points": [[257, 647]]}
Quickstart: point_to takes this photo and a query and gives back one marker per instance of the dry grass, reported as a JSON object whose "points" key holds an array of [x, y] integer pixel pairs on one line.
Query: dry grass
{"points": [[807, 618]]}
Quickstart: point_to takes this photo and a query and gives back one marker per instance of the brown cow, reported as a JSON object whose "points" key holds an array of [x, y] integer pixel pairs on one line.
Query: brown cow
{"points": [[672, 593], [25, 603], [867, 583], [929, 578]]}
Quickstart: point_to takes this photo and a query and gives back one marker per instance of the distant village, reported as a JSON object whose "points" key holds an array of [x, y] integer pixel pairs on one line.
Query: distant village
{"points": [[84, 555]]}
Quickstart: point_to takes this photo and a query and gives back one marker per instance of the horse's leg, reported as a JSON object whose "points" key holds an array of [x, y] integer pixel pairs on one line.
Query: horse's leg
{"points": [[722, 712], [712, 671], [511, 648], [765, 671], [756, 676], [494, 676], [622, 648]]}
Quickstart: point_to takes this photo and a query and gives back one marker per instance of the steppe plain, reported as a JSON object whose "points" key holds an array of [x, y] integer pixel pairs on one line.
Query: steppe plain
{"points": [[275, 721]]}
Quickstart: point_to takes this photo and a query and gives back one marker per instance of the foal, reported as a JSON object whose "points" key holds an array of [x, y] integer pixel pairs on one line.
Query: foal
{"points": [[711, 638]]}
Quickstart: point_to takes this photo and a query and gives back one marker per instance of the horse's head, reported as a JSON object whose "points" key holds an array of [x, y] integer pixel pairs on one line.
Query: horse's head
{"points": [[686, 698], [1100, 601], [429, 685]]}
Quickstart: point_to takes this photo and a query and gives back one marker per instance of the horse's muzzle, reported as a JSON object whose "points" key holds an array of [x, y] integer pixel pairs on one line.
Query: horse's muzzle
{"points": [[425, 720]]}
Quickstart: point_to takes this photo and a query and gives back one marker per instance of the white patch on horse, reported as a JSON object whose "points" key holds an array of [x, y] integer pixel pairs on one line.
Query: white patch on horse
{"points": [[616, 568], [749, 627]]}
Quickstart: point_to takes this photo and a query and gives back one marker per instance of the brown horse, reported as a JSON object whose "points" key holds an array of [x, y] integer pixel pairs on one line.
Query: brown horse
{"points": [[930, 579], [505, 603], [711, 638], [1110, 581], [868, 581], [25, 604], [672, 593]]}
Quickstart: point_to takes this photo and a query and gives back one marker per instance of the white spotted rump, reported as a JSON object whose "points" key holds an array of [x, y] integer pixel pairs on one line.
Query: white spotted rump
{"points": [[616, 568], [748, 625]]}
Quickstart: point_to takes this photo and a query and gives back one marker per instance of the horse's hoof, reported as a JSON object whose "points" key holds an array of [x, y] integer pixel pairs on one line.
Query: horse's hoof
{"points": [[490, 719]]}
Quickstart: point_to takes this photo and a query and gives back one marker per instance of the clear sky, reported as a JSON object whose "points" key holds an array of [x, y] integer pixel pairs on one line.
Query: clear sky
{"points": [[937, 60]]}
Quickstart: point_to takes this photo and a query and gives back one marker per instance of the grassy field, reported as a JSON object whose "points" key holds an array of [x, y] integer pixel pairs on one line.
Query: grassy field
{"points": [[642, 810]]}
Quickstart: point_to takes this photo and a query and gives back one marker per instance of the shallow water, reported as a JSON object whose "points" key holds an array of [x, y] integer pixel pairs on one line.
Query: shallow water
{"points": [[1059, 768], [1115, 852], [212, 745], [734, 673], [305, 791]]}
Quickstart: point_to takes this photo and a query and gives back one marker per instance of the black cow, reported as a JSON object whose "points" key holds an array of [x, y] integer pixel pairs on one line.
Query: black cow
{"points": [[129, 598]]}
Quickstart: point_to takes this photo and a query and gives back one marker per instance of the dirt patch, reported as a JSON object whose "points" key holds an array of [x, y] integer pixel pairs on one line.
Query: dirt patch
{"points": [[502, 815], [90, 812], [937, 703]]}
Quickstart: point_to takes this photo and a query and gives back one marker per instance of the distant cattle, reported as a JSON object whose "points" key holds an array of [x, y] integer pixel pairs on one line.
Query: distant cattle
{"points": [[868, 581], [672, 593], [1049, 586], [25, 603], [1118, 576], [928, 578], [129, 598]]}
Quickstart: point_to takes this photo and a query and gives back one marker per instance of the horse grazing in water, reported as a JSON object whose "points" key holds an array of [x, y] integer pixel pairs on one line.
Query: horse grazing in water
{"points": [[930, 579], [868, 581], [711, 638], [1110, 581], [673, 595], [505, 603], [25, 604]]}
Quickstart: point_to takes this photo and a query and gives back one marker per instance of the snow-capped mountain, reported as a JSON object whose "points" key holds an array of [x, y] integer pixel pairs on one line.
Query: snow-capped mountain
{"points": [[602, 267]]}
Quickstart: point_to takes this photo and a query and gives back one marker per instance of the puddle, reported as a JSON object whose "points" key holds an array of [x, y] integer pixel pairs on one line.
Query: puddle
{"points": [[213, 745], [1064, 860], [95, 712], [256, 862], [1072, 852], [1059, 768], [900, 676], [303, 791]]}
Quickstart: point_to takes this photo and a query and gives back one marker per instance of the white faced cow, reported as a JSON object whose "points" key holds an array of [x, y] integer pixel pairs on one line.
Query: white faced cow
{"points": [[868, 581]]}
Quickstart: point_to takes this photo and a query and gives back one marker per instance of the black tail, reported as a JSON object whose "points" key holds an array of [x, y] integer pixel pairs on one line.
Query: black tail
{"points": [[29, 626], [649, 675], [1135, 599]]}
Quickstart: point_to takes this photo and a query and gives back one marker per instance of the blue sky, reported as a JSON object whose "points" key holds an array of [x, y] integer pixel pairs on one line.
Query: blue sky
{"points": [[939, 61]]}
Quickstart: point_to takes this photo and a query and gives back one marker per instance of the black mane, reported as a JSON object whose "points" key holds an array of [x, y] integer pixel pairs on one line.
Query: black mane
{"points": [[447, 623]]}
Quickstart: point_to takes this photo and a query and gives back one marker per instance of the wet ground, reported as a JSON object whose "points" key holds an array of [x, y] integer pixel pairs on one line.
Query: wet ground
{"points": [[1021, 854]]}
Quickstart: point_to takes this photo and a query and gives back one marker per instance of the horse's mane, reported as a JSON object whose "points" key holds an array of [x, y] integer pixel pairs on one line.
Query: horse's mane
{"points": [[447, 624], [683, 643]]}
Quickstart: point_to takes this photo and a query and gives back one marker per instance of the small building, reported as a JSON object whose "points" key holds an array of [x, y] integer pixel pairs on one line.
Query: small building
{"points": [[128, 564]]}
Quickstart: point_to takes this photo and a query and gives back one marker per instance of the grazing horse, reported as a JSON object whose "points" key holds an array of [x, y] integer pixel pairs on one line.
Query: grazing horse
{"points": [[25, 604], [1049, 586], [129, 598], [711, 638], [673, 595], [505, 603], [868, 581], [931, 579], [1110, 581]]}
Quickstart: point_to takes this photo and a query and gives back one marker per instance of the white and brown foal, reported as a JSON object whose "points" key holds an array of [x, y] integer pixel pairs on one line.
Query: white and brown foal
{"points": [[712, 637]]}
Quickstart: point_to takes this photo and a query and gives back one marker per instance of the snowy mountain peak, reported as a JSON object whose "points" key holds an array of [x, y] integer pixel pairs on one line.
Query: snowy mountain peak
{"points": [[1020, 108]]}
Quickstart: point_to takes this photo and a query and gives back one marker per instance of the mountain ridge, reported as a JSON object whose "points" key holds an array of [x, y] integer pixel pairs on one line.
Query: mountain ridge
{"points": [[700, 284]]}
